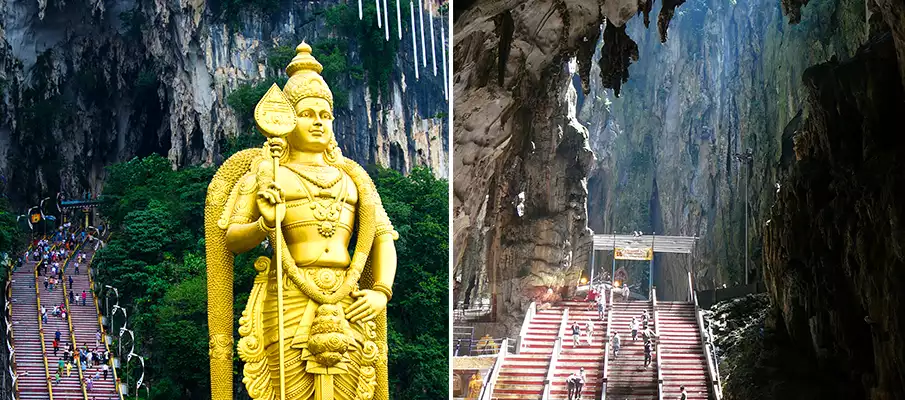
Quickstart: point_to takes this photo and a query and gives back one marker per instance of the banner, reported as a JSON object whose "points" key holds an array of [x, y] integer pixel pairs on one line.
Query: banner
{"points": [[625, 253], [35, 218]]}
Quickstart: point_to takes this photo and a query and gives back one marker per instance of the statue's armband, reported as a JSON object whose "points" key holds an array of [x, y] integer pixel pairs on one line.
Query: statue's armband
{"points": [[384, 226]]}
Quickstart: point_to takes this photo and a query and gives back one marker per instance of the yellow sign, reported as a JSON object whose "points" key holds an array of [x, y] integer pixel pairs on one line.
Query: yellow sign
{"points": [[35, 218], [625, 253]]}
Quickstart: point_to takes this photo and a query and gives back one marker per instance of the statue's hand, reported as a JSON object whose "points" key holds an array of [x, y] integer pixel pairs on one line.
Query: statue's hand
{"points": [[267, 200], [369, 304]]}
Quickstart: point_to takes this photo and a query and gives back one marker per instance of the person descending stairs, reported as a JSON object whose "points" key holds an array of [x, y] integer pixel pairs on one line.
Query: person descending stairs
{"points": [[683, 359], [86, 326], [628, 376]]}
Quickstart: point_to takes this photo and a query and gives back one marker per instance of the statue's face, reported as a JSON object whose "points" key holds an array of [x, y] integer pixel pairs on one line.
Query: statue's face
{"points": [[314, 125]]}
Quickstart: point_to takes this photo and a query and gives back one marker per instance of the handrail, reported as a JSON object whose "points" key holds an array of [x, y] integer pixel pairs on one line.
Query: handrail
{"points": [[487, 390], [532, 310], [691, 291], [606, 347], [41, 328], [75, 345], [119, 389], [708, 355], [658, 348], [554, 358]]}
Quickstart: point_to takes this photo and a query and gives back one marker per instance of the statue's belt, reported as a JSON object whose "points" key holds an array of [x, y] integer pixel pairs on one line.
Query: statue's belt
{"points": [[328, 279]]}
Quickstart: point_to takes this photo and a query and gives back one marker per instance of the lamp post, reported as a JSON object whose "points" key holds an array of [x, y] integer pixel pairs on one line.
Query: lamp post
{"points": [[43, 218], [107, 303]]}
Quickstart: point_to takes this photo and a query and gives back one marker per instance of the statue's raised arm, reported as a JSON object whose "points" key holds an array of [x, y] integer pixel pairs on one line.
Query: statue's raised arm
{"points": [[333, 322]]}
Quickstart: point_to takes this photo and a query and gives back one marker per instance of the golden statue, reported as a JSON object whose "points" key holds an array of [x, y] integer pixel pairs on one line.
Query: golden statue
{"points": [[474, 387], [326, 308]]}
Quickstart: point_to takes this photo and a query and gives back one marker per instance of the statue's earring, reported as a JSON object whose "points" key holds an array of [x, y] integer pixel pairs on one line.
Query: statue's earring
{"points": [[332, 154]]}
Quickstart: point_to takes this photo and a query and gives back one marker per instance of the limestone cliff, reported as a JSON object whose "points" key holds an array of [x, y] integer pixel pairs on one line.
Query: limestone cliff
{"points": [[521, 154], [833, 250], [87, 84], [727, 80]]}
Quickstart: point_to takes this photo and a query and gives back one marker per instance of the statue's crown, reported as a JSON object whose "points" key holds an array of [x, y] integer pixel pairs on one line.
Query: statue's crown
{"points": [[304, 77]]}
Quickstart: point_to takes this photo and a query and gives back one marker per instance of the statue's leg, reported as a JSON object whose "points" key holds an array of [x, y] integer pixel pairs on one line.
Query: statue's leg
{"points": [[299, 384]]}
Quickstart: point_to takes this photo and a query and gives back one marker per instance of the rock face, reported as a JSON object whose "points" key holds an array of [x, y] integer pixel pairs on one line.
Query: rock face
{"points": [[521, 70], [727, 80], [87, 84], [835, 264]]}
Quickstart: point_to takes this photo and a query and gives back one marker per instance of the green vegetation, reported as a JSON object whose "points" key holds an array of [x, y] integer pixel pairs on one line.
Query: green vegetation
{"points": [[156, 260], [228, 10], [279, 57], [244, 99], [12, 239], [418, 206], [376, 53]]}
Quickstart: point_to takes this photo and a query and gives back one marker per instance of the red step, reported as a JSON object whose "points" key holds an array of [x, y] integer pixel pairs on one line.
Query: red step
{"points": [[683, 355]]}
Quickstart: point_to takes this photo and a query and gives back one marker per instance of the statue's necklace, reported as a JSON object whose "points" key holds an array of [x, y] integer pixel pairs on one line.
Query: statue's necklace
{"points": [[322, 177], [328, 214]]}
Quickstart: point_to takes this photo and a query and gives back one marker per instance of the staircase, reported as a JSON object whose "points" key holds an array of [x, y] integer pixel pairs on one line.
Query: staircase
{"points": [[70, 387], [32, 382], [85, 325], [572, 358], [683, 355], [522, 375], [628, 378]]}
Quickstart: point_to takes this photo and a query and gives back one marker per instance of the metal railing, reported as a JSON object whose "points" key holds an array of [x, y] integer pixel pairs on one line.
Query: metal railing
{"points": [[483, 347], [659, 349], [78, 360], [119, 389], [606, 347], [554, 358], [711, 369], [532, 310], [487, 390]]}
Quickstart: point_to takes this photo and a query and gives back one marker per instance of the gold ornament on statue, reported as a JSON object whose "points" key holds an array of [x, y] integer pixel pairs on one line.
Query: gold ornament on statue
{"points": [[307, 331]]}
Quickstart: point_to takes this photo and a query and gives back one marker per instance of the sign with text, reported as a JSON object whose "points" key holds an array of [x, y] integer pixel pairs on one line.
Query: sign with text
{"points": [[626, 253]]}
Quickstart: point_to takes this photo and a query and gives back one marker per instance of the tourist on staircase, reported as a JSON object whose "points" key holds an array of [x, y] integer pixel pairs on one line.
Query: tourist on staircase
{"points": [[570, 384], [648, 348], [601, 303], [576, 334], [634, 325], [579, 383], [590, 328], [684, 394], [616, 343]]}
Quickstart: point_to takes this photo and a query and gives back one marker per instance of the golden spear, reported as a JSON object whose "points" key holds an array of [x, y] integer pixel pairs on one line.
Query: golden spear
{"points": [[275, 118]]}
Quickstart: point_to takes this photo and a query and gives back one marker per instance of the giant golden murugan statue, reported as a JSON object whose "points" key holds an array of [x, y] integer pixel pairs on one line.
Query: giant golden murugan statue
{"points": [[315, 323]]}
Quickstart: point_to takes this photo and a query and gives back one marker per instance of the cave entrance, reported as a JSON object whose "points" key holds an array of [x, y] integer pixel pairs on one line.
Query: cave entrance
{"points": [[634, 247]]}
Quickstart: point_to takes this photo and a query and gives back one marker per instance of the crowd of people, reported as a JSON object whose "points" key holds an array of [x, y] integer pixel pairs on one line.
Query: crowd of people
{"points": [[640, 327], [50, 257]]}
